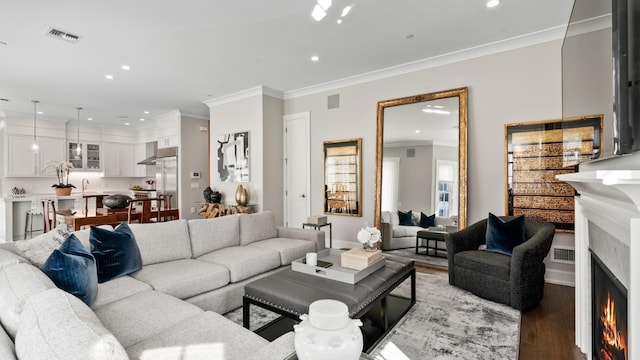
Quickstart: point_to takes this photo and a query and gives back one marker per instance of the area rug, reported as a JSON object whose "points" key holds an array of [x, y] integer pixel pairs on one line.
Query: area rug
{"points": [[424, 259], [445, 323]]}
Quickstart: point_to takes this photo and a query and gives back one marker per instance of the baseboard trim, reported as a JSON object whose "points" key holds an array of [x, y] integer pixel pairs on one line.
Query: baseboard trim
{"points": [[559, 277]]}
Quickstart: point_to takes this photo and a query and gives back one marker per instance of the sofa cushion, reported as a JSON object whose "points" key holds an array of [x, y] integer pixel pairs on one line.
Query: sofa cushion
{"points": [[405, 231], [9, 258], [38, 249], [289, 249], [143, 315], [208, 235], [57, 325], [184, 278], [406, 218], [7, 349], [485, 262], [17, 283], [205, 336], [116, 252], [503, 236], [165, 241], [256, 227], [73, 269], [244, 262], [118, 288]]}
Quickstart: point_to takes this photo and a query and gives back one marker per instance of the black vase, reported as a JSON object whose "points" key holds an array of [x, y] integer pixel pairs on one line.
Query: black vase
{"points": [[207, 194], [216, 197]]}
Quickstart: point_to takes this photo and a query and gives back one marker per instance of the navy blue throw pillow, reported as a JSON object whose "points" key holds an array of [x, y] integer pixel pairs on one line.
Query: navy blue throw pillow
{"points": [[72, 268], [405, 218], [503, 236], [116, 252], [427, 221]]}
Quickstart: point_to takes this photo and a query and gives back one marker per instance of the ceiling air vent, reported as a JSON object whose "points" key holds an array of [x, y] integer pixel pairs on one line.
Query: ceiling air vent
{"points": [[62, 35]]}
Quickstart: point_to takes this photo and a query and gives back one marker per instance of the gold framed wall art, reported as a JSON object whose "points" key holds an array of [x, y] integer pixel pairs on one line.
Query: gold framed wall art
{"points": [[535, 152], [343, 177]]}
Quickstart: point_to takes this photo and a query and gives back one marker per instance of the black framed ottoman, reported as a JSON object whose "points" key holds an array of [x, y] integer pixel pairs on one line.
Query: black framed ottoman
{"points": [[289, 293]]}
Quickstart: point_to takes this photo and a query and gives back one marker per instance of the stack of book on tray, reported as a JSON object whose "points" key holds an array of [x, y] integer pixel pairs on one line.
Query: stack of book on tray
{"points": [[359, 258]]}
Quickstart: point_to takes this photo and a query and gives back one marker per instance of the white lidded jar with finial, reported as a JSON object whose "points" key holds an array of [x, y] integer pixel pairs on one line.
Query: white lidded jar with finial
{"points": [[328, 333]]}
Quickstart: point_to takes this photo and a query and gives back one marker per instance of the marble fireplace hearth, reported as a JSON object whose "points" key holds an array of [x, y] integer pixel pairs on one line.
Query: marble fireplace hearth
{"points": [[607, 223]]}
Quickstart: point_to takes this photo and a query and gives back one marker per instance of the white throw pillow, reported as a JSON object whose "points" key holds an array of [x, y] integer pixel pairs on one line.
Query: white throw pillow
{"points": [[38, 249]]}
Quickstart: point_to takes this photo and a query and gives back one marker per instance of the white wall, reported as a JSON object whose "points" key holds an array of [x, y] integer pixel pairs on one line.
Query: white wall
{"points": [[193, 147], [513, 86], [415, 185]]}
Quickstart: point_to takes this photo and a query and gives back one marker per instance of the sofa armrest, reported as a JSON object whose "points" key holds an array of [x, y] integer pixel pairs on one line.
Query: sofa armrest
{"points": [[387, 228], [278, 349], [316, 236]]}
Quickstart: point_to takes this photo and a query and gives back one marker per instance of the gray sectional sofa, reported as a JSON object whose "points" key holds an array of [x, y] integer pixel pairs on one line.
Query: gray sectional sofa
{"points": [[193, 271]]}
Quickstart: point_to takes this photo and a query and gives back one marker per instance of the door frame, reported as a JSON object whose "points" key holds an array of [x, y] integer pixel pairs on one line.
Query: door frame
{"points": [[306, 116]]}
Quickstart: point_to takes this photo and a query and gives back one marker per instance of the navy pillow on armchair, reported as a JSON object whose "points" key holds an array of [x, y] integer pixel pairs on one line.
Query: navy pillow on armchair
{"points": [[405, 218], [503, 236], [116, 251]]}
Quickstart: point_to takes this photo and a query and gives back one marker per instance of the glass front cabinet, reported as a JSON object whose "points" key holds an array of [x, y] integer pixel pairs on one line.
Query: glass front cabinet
{"points": [[88, 158]]}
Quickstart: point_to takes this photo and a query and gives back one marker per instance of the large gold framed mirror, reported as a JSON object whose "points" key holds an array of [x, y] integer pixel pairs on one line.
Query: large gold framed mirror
{"points": [[421, 162]]}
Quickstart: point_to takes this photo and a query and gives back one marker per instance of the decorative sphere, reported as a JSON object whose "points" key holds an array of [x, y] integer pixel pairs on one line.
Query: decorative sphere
{"points": [[117, 201]]}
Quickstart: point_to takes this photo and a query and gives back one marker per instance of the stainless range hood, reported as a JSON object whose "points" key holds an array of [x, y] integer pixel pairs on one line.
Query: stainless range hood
{"points": [[152, 151]]}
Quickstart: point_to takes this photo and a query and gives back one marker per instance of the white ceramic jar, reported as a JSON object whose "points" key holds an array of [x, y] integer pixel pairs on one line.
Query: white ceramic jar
{"points": [[328, 333]]}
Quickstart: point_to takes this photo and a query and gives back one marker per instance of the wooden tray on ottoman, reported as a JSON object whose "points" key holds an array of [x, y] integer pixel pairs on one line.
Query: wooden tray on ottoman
{"points": [[336, 271]]}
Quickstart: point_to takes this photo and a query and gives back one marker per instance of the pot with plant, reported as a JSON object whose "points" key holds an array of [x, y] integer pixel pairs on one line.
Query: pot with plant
{"points": [[62, 168]]}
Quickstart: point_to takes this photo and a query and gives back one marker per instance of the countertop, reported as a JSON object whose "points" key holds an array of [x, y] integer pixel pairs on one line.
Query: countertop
{"points": [[73, 196]]}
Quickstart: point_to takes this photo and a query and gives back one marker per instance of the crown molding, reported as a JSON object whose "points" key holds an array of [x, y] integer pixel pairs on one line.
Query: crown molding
{"points": [[194, 115], [167, 115], [535, 38], [245, 94]]}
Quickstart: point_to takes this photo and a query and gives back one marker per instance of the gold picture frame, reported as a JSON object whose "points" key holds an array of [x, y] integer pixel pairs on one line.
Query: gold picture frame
{"points": [[535, 152], [343, 177]]}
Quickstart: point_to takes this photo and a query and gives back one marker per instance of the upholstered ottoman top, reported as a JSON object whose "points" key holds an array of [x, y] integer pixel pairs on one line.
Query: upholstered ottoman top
{"points": [[293, 291]]}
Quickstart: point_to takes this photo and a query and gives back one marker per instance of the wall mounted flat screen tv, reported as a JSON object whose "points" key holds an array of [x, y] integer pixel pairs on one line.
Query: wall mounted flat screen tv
{"points": [[601, 70]]}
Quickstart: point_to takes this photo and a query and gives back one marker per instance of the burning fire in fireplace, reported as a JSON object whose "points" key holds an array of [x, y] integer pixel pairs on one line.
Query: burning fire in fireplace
{"points": [[614, 343]]}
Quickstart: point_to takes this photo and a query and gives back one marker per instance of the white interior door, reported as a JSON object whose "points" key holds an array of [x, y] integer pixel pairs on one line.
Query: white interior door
{"points": [[297, 205]]}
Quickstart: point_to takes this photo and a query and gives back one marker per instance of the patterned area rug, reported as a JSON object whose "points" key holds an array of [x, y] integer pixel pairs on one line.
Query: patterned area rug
{"points": [[429, 260], [445, 323]]}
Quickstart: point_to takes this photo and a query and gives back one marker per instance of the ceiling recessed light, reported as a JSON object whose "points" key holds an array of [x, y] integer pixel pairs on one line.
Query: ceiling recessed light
{"points": [[417, 131], [345, 11], [315, 58], [436, 111], [40, 113], [141, 119], [108, 77], [126, 67], [318, 14], [146, 112], [90, 119], [126, 123], [339, 21], [493, 3]]}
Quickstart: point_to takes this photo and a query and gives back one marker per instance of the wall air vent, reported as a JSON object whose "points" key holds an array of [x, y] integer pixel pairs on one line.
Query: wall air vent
{"points": [[63, 35], [563, 254]]}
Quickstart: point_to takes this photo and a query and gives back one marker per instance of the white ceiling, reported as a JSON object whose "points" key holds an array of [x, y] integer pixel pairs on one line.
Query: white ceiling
{"points": [[184, 52]]}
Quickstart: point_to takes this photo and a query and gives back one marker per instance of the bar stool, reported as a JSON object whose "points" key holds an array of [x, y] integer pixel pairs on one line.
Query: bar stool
{"points": [[36, 209]]}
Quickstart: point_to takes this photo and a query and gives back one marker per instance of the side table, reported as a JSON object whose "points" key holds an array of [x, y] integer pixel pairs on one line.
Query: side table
{"points": [[317, 227]]}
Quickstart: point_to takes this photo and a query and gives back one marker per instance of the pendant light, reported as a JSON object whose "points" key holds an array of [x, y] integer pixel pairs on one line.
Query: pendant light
{"points": [[78, 148], [35, 145]]}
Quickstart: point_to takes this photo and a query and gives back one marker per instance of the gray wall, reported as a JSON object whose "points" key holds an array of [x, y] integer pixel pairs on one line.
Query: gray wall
{"points": [[194, 158], [507, 87]]}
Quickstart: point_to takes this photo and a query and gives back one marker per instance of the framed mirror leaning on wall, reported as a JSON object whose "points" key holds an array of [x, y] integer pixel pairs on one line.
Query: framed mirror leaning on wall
{"points": [[421, 166]]}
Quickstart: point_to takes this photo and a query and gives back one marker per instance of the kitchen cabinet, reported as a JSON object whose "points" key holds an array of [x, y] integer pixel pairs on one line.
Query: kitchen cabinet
{"points": [[119, 160], [168, 141], [21, 161], [88, 159]]}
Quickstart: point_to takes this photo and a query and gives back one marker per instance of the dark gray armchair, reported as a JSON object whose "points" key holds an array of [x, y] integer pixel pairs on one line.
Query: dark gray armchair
{"points": [[517, 280]]}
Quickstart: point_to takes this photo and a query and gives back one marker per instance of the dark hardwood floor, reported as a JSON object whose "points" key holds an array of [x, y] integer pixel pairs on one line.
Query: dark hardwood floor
{"points": [[546, 331]]}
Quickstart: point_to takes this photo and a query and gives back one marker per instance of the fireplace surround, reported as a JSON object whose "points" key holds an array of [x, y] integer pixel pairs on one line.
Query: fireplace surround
{"points": [[607, 214]]}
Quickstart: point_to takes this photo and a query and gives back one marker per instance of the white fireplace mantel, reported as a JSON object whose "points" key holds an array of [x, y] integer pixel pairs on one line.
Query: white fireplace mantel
{"points": [[609, 199]]}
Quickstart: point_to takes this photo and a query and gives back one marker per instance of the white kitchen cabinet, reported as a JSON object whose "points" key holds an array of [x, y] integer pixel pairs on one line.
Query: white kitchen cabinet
{"points": [[21, 161], [139, 154], [118, 160], [89, 157], [168, 141]]}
